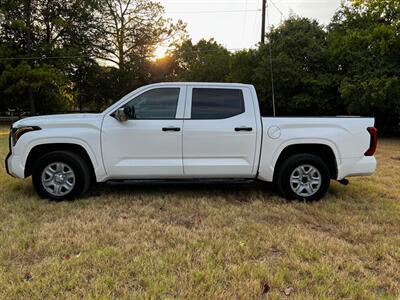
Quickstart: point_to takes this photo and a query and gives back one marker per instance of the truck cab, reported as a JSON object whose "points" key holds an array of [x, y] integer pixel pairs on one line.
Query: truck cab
{"points": [[184, 131]]}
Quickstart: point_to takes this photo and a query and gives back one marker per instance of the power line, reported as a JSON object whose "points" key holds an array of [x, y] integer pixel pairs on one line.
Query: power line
{"points": [[244, 19], [212, 11], [249, 2], [277, 8], [211, 2], [95, 57], [45, 57]]}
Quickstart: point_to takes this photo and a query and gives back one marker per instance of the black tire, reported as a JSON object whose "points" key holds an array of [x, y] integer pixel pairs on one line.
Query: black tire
{"points": [[80, 168], [282, 180]]}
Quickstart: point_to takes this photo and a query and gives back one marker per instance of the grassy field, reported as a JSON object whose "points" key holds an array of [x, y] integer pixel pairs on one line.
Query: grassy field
{"points": [[203, 242]]}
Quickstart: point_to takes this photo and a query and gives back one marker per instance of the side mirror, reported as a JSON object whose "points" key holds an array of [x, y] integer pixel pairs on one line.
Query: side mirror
{"points": [[123, 114], [120, 115]]}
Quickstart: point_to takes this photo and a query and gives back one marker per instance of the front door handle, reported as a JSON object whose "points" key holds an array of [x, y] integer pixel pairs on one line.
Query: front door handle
{"points": [[243, 128], [171, 129]]}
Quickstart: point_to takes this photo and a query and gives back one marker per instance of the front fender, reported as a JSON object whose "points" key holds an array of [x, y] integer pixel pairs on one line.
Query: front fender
{"points": [[88, 139]]}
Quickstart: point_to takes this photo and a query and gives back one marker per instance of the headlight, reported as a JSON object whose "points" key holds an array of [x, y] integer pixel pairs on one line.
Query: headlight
{"points": [[16, 133]]}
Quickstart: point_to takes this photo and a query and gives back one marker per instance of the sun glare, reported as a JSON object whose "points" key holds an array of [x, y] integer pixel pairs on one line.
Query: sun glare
{"points": [[160, 52]]}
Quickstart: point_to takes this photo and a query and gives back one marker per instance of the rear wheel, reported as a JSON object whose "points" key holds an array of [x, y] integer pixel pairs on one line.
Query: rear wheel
{"points": [[303, 177], [61, 175]]}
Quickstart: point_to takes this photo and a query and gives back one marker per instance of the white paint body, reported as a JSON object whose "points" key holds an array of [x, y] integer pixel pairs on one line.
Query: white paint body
{"points": [[139, 149]]}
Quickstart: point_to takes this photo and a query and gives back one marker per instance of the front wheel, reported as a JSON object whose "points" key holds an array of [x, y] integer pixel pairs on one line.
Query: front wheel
{"points": [[61, 175], [303, 177]]}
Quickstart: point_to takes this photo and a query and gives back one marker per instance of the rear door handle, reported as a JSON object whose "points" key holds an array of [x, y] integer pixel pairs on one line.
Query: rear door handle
{"points": [[243, 128], [171, 129]]}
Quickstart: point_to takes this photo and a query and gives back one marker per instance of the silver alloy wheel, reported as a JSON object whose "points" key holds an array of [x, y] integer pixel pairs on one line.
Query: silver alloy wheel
{"points": [[58, 179], [305, 180]]}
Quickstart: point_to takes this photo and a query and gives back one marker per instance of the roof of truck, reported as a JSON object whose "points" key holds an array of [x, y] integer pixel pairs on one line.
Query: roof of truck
{"points": [[203, 83]]}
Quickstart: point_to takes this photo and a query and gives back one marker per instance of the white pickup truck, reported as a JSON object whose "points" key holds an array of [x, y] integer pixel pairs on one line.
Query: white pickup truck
{"points": [[190, 131]]}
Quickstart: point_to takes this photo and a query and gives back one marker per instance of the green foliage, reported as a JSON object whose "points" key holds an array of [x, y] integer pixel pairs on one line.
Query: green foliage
{"points": [[379, 95], [351, 66], [205, 61], [302, 81], [372, 94], [76, 33], [163, 69], [54, 28], [242, 66], [365, 45], [48, 83], [94, 86]]}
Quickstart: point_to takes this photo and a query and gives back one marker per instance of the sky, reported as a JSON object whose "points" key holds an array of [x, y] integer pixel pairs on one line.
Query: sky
{"points": [[236, 24]]}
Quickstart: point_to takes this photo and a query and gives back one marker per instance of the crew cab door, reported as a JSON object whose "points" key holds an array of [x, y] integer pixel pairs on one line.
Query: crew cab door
{"points": [[148, 145], [219, 135]]}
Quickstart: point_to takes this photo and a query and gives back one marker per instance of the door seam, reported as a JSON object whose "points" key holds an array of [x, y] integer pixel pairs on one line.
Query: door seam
{"points": [[183, 129]]}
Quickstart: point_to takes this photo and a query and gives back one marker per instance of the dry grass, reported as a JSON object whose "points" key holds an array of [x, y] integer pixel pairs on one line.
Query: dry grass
{"points": [[198, 242], [4, 129]]}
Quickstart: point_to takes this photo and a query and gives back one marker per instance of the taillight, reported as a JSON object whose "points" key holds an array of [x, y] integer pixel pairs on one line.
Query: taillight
{"points": [[373, 132]]}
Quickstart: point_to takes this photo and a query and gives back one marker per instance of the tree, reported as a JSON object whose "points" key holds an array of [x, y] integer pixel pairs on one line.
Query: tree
{"points": [[242, 66], [131, 30], [162, 69], [47, 83], [365, 46], [204, 61], [40, 30], [302, 78]]}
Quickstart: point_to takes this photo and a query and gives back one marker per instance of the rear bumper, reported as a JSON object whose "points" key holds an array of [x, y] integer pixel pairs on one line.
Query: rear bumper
{"points": [[363, 166]]}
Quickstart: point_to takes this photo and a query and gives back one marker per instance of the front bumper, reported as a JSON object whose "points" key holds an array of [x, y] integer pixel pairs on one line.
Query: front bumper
{"points": [[6, 163], [8, 155], [14, 166]]}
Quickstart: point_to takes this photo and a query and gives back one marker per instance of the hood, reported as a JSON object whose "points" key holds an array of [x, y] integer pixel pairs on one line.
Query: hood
{"points": [[49, 121]]}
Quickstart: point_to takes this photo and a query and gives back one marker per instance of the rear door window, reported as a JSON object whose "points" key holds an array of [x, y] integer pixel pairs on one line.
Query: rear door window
{"points": [[215, 103]]}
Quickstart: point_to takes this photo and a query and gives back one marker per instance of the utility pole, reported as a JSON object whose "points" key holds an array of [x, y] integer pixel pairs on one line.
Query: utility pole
{"points": [[264, 15], [28, 19], [264, 8]]}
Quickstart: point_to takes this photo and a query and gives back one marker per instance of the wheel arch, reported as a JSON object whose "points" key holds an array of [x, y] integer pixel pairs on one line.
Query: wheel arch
{"points": [[39, 150], [323, 151]]}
